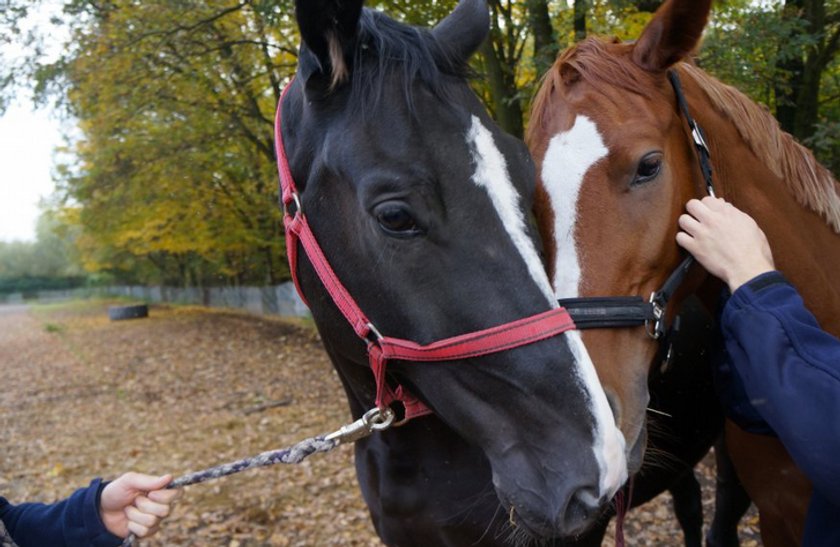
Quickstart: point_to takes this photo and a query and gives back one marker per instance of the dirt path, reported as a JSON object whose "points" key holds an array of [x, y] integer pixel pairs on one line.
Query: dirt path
{"points": [[183, 390]]}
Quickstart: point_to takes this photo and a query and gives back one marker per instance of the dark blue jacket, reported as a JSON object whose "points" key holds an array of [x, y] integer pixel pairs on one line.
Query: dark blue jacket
{"points": [[73, 522], [789, 370]]}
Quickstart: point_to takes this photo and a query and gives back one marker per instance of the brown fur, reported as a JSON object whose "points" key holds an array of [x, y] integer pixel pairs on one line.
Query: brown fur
{"points": [[597, 61], [810, 183]]}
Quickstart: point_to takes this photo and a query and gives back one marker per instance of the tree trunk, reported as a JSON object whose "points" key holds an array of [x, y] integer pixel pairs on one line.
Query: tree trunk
{"points": [[504, 95], [268, 259], [797, 104], [790, 73], [580, 19], [545, 41], [648, 5]]}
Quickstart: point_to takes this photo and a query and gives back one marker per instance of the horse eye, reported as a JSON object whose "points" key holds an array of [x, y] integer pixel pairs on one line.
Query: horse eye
{"points": [[648, 169], [396, 220]]}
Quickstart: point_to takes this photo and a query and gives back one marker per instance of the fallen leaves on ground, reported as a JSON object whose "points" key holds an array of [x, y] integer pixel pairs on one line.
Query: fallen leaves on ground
{"points": [[190, 388]]}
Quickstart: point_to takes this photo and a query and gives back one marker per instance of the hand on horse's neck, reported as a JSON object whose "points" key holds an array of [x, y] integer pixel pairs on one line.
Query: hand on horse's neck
{"points": [[805, 248]]}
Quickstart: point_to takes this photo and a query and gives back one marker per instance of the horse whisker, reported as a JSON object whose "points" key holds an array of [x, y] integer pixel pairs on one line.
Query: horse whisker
{"points": [[654, 411], [489, 525]]}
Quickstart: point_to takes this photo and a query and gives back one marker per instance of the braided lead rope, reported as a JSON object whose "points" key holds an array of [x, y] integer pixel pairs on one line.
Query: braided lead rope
{"points": [[373, 420]]}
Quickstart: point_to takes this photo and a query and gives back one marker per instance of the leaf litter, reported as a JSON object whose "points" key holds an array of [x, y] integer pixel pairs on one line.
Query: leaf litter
{"points": [[189, 388]]}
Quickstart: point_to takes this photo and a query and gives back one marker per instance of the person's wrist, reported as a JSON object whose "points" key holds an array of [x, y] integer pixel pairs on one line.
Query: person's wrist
{"points": [[738, 277]]}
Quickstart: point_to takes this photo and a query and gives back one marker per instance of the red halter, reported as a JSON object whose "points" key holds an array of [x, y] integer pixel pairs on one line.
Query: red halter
{"points": [[381, 348]]}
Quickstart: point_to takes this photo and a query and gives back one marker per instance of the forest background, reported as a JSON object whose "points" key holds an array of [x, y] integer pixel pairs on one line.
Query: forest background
{"points": [[169, 177]]}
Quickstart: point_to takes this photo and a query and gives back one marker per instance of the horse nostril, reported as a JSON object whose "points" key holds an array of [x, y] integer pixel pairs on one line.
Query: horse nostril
{"points": [[581, 511]]}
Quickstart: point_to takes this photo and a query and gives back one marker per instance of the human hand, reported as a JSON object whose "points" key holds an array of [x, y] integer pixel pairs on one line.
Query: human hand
{"points": [[725, 240], [136, 503]]}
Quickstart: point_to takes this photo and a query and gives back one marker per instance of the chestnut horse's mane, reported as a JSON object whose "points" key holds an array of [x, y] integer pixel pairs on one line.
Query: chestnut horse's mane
{"points": [[595, 60], [602, 63], [812, 184]]}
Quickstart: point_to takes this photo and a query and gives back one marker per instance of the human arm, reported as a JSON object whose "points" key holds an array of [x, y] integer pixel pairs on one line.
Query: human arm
{"points": [[70, 522], [80, 519], [790, 369], [789, 366]]}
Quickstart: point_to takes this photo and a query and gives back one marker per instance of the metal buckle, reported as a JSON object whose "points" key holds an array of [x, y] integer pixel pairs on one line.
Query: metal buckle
{"points": [[298, 206], [666, 362], [658, 316], [697, 135], [374, 419], [377, 336]]}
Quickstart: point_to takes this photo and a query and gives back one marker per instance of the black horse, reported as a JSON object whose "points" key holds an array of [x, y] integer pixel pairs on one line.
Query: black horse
{"points": [[420, 204]]}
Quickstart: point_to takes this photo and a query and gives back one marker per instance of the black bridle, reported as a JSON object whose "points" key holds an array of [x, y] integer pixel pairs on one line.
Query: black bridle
{"points": [[630, 311]]}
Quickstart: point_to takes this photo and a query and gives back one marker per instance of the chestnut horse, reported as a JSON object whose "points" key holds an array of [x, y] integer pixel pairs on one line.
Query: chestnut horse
{"points": [[616, 164]]}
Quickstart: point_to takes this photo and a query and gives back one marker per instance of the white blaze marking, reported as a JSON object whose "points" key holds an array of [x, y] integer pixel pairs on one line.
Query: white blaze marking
{"points": [[568, 158], [491, 173]]}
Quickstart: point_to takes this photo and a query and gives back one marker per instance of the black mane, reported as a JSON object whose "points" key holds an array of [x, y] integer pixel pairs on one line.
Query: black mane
{"points": [[386, 47]]}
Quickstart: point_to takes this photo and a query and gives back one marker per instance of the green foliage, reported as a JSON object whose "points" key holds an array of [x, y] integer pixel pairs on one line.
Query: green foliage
{"points": [[762, 51], [49, 263], [744, 47], [11, 34], [424, 13], [53, 328], [176, 101]]}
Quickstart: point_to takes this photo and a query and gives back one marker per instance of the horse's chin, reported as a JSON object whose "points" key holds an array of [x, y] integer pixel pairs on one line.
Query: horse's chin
{"points": [[523, 533], [526, 529]]}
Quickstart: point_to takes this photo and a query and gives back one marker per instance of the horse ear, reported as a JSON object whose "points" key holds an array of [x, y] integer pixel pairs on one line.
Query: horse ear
{"points": [[464, 30], [328, 28], [672, 34], [569, 74]]}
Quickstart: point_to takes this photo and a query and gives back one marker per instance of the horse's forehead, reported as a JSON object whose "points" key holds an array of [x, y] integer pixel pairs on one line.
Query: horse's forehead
{"points": [[408, 116], [389, 135], [624, 120]]}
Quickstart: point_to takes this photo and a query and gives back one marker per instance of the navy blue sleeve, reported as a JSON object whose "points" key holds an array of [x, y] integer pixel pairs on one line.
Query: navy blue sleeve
{"points": [[791, 371], [73, 522]]}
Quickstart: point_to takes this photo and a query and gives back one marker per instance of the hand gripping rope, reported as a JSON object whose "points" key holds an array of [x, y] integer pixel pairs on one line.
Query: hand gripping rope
{"points": [[373, 420]]}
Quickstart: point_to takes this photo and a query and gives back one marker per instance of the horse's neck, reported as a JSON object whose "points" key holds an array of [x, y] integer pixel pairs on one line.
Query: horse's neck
{"points": [[425, 485], [805, 248], [419, 472]]}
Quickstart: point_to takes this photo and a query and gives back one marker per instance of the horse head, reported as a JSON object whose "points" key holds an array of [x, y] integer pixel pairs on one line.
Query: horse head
{"points": [[615, 168], [420, 204]]}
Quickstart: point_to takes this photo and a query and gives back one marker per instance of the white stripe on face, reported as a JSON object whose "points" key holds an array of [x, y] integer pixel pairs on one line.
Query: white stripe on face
{"points": [[491, 173], [568, 158]]}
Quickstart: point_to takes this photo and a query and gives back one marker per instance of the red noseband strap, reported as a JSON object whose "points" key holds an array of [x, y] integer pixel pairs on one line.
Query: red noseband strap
{"points": [[382, 349], [474, 344]]}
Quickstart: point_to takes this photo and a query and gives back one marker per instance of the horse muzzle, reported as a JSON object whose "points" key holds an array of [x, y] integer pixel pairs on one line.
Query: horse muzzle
{"points": [[580, 510], [546, 505]]}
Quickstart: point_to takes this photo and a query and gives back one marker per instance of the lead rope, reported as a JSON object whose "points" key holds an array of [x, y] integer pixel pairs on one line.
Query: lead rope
{"points": [[373, 420], [623, 500]]}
